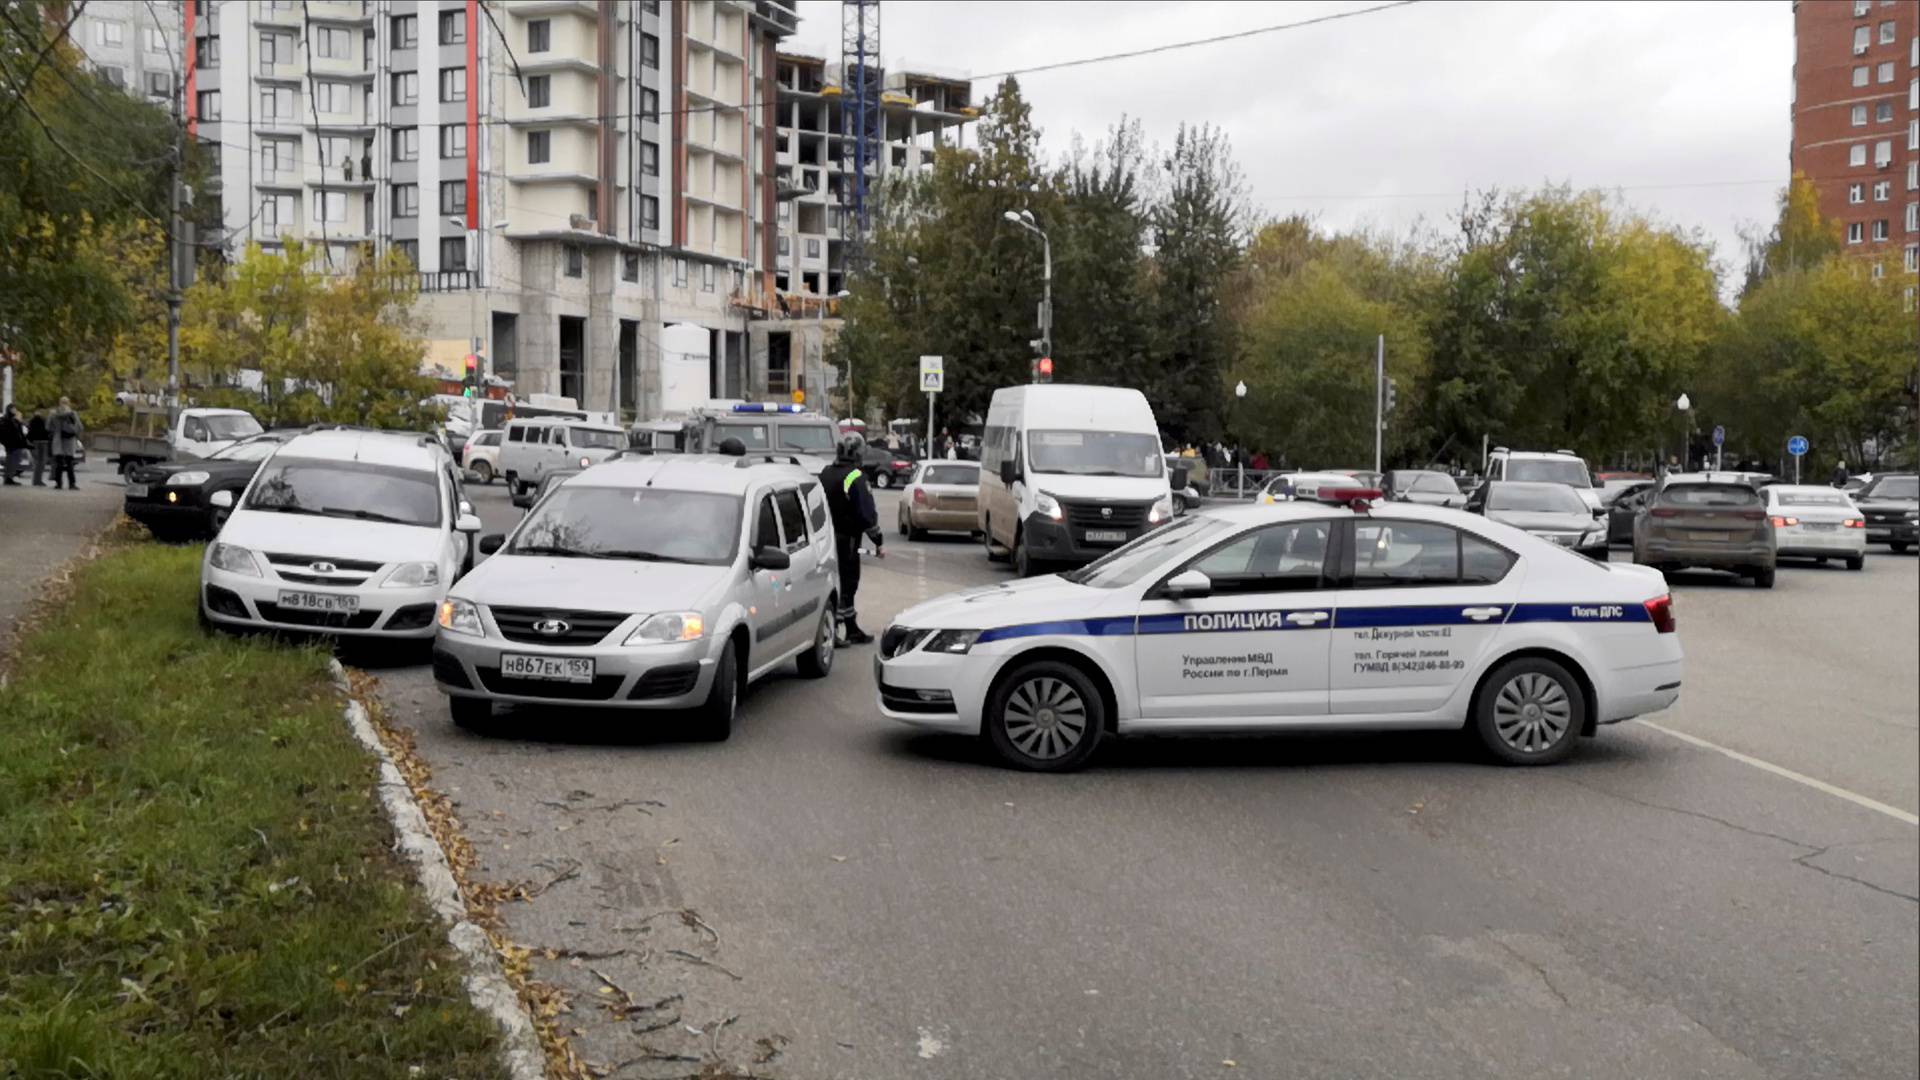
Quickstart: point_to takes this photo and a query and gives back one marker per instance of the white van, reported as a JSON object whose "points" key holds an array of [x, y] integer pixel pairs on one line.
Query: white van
{"points": [[532, 448], [1068, 473]]}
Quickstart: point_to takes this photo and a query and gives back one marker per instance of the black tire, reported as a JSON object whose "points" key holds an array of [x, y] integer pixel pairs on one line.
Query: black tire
{"points": [[905, 529], [986, 537], [513, 483], [470, 713], [1899, 546], [1763, 578], [1856, 562], [817, 661], [882, 480], [1541, 737], [483, 471], [713, 721], [1023, 561], [1030, 717], [916, 534]]}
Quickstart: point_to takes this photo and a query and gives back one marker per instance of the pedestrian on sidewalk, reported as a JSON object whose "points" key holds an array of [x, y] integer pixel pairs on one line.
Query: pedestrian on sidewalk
{"points": [[66, 430], [13, 445], [37, 437]]}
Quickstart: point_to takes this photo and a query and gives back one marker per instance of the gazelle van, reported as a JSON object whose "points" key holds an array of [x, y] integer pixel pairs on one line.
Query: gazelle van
{"points": [[533, 448], [1069, 473]]}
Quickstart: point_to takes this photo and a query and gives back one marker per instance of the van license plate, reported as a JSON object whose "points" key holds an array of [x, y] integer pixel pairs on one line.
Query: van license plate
{"points": [[555, 669], [327, 602], [1106, 536]]}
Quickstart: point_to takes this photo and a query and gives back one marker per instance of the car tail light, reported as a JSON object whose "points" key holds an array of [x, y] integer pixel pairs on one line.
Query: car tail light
{"points": [[903, 464], [1854, 523], [1664, 511], [919, 496], [1660, 611], [1783, 522]]}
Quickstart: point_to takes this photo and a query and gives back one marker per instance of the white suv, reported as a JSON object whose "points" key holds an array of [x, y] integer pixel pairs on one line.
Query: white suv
{"points": [[480, 457], [1544, 467], [342, 532], [533, 448]]}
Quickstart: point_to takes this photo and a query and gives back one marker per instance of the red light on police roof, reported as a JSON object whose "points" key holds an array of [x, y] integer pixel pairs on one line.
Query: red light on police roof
{"points": [[1359, 498]]}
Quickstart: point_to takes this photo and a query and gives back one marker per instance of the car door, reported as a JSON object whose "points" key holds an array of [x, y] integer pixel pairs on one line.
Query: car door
{"points": [[806, 588], [1256, 645], [194, 437], [769, 586], [1419, 603]]}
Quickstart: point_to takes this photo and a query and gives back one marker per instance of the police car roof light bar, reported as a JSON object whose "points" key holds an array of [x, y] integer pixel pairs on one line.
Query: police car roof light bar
{"points": [[767, 407]]}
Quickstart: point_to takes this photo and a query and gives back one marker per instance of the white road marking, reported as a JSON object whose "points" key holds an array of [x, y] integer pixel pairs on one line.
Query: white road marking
{"points": [[1854, 797], [931, 1045]]}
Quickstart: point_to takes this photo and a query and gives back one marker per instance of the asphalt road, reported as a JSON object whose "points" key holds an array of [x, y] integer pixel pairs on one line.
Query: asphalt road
{"points": [[886, 904]]}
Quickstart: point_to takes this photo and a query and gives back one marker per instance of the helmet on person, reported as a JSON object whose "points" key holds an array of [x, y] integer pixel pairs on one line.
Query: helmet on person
{"points": [[851, 446]]}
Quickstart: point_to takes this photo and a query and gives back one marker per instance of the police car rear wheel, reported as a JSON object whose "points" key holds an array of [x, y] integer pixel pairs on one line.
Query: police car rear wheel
{"points": [[1530, 712], [1046, 716]]}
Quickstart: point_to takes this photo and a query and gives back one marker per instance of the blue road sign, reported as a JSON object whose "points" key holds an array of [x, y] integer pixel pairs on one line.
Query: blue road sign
{"points": [[1719, 435], [1797, 446]]}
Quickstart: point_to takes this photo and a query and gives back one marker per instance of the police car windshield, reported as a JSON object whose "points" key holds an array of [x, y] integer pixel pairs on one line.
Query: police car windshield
{"points": [[1095, 453], [647, 524], [807, 438], [1549, 471], [1126, 565], [1535, 498]]}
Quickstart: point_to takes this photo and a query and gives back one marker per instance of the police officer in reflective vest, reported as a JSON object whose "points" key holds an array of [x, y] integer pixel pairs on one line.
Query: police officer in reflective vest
{"points": [[851, 503]]}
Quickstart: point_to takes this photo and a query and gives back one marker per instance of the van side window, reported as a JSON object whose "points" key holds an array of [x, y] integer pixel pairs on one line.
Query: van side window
{"points": [[559, 436]]}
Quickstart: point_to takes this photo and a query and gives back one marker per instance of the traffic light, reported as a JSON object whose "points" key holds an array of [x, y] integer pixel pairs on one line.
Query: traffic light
{"points": [[1393, 395], [472, 380], [1043, 369]]}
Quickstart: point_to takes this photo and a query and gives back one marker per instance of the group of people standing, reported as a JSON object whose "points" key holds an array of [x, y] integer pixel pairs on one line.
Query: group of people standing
{"points": [[50, 436]]}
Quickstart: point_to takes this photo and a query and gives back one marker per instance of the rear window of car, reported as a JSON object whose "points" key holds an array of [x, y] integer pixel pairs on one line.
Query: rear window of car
{"points": [[1812, 498], [1710, 495], [1549, 471], [950, 474]]}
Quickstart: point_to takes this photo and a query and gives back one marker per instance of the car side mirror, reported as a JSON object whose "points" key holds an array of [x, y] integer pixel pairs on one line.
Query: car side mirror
{"points": [[769, 558], [1008, 474], [492, 542], [465, 507], [1599, 512], [468, 522], [221, 499], [1187, 584]]}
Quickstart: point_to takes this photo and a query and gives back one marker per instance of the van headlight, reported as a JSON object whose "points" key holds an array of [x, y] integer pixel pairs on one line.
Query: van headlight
{"points": [[1048, 506], [669, 626], [1161, 513], [190, 478], [233, 558], [461, 617], [954, 642], [412, 575]]}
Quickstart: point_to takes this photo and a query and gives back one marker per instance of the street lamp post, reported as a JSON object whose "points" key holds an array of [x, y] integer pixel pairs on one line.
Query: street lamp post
{"points": [[1024, 219], [1684, 404]]}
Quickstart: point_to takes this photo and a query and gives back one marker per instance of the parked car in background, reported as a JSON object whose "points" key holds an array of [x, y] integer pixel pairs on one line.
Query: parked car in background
{"points": [[480, 457], [941, 496], [1816, 522], [528, 498], [1707, 520], [1287, 487], [174, 500], [1890, 504], [534, 447], [1623, 504], [1550, 511], [196, 433], [1543, 466], [1427, 486], [886, 468]]}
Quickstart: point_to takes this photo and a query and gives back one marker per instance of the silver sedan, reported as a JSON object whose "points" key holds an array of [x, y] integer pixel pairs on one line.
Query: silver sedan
{"points": [[942, 495]]}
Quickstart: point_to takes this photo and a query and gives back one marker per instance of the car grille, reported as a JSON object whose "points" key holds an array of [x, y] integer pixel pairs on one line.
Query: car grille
{"points": [[600, 689], [583, 627], [1885, 517], [1098, 515], [301, 562], [328, 620], [342, 580], [672, 680]]}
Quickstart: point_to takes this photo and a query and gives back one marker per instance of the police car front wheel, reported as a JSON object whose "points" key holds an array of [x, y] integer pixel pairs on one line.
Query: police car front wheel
{"points": [[1530, 712], [1045, 716]]}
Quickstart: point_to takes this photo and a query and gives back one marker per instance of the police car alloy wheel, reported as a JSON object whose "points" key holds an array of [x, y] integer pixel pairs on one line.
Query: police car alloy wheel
{"points": [[1045, 716], [1530, 712]]}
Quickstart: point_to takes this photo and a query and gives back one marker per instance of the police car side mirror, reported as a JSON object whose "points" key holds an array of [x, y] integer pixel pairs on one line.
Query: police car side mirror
{"points": [[770, 558], [1007, 473], [1188, 583]]}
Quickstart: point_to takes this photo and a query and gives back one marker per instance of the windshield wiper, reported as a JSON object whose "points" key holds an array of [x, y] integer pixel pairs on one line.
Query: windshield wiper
{"points": [[549, 549], [287, 508], [363, 515], [642, 556], [1105, 472]]}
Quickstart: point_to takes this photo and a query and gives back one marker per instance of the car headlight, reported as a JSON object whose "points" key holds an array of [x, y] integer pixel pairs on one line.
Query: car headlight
{"points": [[412, 575], [461, 617], [669, 626], [1048, 506], [233, 558], [956, 642], [1162, 512], [190, 478]]}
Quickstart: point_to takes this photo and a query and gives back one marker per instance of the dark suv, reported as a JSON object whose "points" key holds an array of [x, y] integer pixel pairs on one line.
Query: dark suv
{"points": [[1891, 505], [1709, 520]]}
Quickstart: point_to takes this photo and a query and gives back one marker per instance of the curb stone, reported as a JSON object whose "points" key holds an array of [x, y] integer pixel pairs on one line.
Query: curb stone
{"points": [[486, 981]]}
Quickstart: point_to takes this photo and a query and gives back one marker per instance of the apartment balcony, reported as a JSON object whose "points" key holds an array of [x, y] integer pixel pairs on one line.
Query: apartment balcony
{"points": [[339, 11], [448, 280], [553, 176], [543, 63]]}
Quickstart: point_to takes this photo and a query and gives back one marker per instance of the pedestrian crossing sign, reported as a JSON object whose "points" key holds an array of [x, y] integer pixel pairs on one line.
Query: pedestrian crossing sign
{"points": [[933, 375]]}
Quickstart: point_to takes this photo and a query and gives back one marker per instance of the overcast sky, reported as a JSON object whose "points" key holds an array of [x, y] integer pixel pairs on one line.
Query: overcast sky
{"points": [[1385, 118]]}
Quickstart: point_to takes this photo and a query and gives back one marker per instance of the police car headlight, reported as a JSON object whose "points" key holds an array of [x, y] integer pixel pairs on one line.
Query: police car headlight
{"points": [[669, 626], [412, 575], [1049, 506], [190, 478], [1162, 512], [955, 642], [234, 559], [461, 617]]}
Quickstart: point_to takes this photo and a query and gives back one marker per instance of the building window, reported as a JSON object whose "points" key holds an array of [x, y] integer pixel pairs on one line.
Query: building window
{"points": [[1860, 75], [651, 7], [453, 141], [1861, 7], [453, 196], [406, 31], [1856, 193], [276, 103], [276, 213], [650, 158], [453, 84], [1887, 32], [649, 212], [406, 88], [453, 253], [539, 35], [1913, 93], [333, 98], [785, 210], [409, 248], [207, 105], [649, 50], [333, 151], [649, 104], [207, 56], [539, 147], [108, 32], [1913, 134], [1913, 217], [1859, 116], [1883, 112], [1883, 152], [1857, 154], [706, 277], [406, 200], [1913, 257], [453, 28], [406, 144], [1882, 190], [1862, 37], [576, 261], [1878, 271], [680, 273], [1884, 73], [1913, 176], [1880, 230], [813, 248], [330, 206], [783, 246], [539, 91], [332, 43], [156, 40], [1855, 232], [277, 157], [630, 266]]}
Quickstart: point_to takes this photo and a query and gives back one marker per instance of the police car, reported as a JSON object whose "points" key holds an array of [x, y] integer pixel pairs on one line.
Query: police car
{"points": [[1341, 613]]}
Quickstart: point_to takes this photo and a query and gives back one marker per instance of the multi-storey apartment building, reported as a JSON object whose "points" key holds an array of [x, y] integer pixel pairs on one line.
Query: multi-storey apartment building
{"points": [[132, 44], [585, 186], [1856, 119]]}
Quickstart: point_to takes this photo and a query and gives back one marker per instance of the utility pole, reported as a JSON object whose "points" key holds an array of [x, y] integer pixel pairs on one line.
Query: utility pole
{"points": [[179, 249], [1379, 396]]}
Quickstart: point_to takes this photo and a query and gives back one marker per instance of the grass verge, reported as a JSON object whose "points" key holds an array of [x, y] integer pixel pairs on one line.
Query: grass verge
{"points": [[195, 872]]}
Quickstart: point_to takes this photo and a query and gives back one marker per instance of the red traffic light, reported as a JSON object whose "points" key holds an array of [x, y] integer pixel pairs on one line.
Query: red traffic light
{"points": [[473, 363], [1043, 369]]}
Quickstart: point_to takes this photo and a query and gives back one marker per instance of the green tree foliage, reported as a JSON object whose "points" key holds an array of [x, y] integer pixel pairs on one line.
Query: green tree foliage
{"points": [[1800, 238], [1198, 230], [340, 348]]}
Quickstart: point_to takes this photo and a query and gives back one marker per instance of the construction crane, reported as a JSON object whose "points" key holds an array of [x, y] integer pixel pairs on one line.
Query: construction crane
{"points": [[861, 121]]}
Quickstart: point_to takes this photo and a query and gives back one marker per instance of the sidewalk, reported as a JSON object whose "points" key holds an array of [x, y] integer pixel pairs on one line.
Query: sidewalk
{"points": [[40, 528]]}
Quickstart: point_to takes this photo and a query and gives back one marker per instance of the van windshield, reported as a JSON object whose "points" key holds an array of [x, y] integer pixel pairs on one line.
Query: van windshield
{"points": [[751, 436], [807, 438], [1095, 453]]}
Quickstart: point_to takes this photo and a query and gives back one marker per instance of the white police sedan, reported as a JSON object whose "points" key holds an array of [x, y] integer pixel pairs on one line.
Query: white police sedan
{"points": [[1341, 613]]}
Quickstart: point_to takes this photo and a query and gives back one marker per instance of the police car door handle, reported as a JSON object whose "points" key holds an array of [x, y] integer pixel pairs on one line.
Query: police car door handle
{"points": [[1306, 618], [1481, 614]]}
